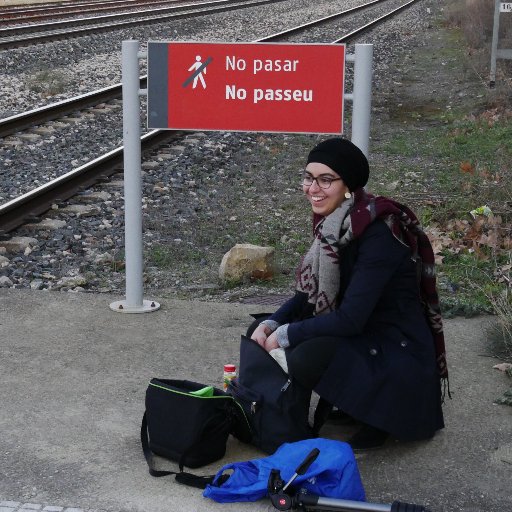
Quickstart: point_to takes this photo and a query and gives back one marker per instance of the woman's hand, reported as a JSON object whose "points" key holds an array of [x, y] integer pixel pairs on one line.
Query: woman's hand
{"points": [[261, 334], [271, 342]]}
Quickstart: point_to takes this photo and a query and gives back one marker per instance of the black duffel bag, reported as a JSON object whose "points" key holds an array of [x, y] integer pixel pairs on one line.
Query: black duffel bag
{"points": [[276, 405], [187, 422]]}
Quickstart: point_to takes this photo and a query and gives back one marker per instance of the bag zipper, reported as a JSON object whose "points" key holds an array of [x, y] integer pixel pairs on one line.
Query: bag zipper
{"points": [[286, 385]]}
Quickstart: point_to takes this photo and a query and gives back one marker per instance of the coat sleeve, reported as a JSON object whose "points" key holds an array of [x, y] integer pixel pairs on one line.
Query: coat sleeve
{"points": [[379, 256], [291, 309]]}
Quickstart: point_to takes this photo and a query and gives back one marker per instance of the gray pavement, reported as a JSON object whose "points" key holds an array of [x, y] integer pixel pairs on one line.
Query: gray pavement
{"points": [[73, 376]]}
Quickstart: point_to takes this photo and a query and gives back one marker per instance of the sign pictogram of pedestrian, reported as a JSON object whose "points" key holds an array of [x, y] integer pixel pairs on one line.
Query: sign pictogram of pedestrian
{"points": [[199, 69]]}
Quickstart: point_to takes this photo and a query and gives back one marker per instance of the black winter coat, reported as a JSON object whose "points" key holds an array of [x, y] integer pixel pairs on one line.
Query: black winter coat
{"points": [[384, 372]]}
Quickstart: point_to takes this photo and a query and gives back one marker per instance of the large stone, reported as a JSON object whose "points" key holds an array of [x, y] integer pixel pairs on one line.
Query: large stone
{"points": [[81, 210], [46, 224], [247, 261], [93, 197], [18, 243], [70, 282], [5, 282]]}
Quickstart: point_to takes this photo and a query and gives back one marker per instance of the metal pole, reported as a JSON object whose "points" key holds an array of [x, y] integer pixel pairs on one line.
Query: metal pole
{"points": [[494, 47], [362, 97], [348, 505], [134, 302]]}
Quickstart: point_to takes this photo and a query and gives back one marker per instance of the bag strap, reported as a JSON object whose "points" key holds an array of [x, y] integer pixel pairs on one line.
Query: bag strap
{"points": [[197, 481], [148, 454]]}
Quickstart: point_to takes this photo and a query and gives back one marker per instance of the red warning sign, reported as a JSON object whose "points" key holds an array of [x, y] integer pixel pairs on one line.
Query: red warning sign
{"points": [[247, 87]]}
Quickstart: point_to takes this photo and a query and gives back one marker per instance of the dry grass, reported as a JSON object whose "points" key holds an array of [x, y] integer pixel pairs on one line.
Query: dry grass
{"points": [[475, 19]]}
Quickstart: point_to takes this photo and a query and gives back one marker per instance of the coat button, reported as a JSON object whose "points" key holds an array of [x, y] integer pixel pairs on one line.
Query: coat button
{"points": [[373, 351], [403, 343]]}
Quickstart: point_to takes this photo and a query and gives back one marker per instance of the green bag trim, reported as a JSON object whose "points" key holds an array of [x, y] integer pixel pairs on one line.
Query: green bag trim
{"points": [[188, 393], [206, 392], [191, 395]]}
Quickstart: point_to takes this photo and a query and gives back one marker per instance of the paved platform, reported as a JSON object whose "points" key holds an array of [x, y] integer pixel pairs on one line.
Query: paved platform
{"points": [[73, 376]]}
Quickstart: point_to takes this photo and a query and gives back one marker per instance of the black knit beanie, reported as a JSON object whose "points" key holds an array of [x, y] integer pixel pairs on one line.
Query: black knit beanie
{"points": [[345, 159]]}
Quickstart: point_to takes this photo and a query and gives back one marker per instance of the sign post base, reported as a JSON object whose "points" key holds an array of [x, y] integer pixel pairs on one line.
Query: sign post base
{"points": [[122, 306]]}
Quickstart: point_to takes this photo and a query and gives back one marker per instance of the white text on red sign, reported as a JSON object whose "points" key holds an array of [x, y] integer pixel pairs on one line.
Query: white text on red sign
{"points": [[257, 66]]}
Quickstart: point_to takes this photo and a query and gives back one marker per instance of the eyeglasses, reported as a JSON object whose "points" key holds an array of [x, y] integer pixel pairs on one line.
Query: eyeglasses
{"points": [[322, 181]]}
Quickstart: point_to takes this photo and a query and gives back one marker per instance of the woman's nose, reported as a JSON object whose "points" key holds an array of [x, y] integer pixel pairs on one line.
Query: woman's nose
{"points": [[314, 185]]}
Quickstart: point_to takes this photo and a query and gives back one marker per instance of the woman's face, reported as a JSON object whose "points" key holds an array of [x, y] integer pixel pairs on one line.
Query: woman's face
{"points": [[324, 200]]}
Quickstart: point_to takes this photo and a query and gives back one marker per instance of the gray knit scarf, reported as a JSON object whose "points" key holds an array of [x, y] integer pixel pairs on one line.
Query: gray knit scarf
{"points": [[319, 274]]}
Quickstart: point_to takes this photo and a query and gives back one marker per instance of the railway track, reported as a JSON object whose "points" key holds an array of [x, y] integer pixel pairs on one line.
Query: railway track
{"points": [[30, 14], [26, 35], [31, 205]]}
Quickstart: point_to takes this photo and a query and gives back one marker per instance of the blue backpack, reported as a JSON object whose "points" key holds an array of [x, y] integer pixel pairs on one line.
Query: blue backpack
{"points": [[334, 473]]}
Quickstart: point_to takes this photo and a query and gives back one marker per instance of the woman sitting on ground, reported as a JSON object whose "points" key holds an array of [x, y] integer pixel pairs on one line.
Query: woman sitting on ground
{"points": [[364, 329]]}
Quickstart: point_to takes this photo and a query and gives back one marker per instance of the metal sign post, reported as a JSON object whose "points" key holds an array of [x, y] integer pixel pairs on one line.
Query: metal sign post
{"points": [[361, 96], [134, 302], [497, 53]]}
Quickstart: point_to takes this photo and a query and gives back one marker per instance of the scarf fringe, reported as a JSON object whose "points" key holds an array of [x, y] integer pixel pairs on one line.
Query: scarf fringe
{"points": [[445, 389]]}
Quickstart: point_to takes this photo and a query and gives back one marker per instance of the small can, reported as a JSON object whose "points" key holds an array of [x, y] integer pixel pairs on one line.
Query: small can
{"points": [[229, 375]]}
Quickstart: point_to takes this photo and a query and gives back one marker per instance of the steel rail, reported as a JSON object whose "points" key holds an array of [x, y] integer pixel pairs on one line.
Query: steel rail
{"points": [[40, 115], [32, 14], [313, 23], [228, 5], [39, 200], [150, 13], [372, 23], [61, 5], [34, 203]]}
